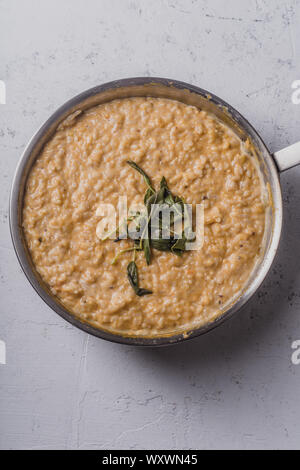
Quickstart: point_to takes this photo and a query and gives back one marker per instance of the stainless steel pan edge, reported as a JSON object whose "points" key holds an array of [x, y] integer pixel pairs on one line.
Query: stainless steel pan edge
{"points": [[149, 86]]}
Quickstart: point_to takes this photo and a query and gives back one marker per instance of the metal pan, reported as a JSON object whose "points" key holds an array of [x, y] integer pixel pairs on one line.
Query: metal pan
{"points": [[269, 166]]}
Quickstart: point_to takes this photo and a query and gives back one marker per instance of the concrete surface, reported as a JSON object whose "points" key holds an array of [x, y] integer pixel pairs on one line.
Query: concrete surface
{"points": [[234, 388]]}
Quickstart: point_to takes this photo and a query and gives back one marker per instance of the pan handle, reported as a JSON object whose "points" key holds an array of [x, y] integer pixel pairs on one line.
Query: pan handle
{"points": [[288, 157]]}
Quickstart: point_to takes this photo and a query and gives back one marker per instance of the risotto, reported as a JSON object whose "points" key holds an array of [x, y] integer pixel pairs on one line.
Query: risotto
{"points": [[84, 165]]}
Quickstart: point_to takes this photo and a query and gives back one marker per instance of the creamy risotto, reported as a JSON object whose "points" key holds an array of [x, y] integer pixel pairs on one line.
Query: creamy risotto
{"points": [[84, 164]]}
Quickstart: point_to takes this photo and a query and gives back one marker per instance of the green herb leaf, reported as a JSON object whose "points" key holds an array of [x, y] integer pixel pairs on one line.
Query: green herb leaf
{"points": [[160, 196], [142, 292], [163, 183], [141, 220], [179, 246], [145, 176], [151, 200], [168, 196], [133, 278], [169, 199], [149, 211], [133, 275], [147, 195], [161, 244], [121, 253], [147, 250]]}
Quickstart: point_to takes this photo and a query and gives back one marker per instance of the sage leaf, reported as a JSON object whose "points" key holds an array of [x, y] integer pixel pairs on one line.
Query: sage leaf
{"points": [[179, 246], [147, 195], [133, 278], [163, 183], [145, 176], [140, 232], [161, 244], [147, 250], [142, 292], [133, 275]]}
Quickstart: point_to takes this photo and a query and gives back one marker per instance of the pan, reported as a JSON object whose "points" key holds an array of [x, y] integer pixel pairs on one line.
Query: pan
{"points": [[270, 166]]}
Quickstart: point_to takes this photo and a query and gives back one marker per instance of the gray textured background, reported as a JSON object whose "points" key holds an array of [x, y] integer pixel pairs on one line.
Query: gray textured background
{"points": [[234, 388]]}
